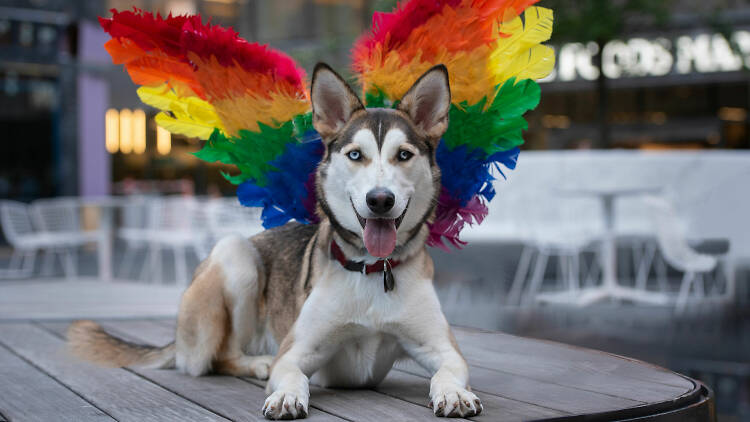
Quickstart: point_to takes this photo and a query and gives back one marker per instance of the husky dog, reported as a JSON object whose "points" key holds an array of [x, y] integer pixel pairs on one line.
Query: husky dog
{"points": [[339, 301]]}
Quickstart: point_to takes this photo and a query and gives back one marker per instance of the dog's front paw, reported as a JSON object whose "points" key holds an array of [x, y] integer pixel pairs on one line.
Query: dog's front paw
{"points": [[285, 405], [456, 402]]}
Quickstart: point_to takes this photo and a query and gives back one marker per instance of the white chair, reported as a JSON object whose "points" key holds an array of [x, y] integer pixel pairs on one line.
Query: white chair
{"points": [[58, 220], [178, 224], [673, 244], [134, 231], [556, 227], [20, 233], [227, 216]]}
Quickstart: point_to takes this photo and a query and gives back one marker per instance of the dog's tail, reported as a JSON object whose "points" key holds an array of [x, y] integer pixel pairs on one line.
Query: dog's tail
{"points": [[88, 340]]}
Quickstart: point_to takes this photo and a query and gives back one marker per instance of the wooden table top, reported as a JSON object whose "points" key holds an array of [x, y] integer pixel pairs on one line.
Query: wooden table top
{"points": [[518, 379]]}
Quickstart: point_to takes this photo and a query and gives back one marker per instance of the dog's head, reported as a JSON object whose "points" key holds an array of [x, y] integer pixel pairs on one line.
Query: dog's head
{"points": [[378, 180]]}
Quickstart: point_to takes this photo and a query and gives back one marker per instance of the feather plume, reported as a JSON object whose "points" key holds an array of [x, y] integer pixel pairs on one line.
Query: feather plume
{"points": [[492, 55], [246, 100], [250, 103]]}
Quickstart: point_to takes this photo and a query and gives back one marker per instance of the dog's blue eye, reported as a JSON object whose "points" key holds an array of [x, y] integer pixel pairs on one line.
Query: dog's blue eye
{"points": [[404, 155], [354, 155]]}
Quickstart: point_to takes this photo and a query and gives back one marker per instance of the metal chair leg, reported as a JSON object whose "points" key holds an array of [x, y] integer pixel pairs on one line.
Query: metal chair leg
{"points": [[644, 267], [128, 258], [522, 272], [16, 260], [729, 276], [48, 262], [561, 272], [661, 275], [700, 286], [685, 287], [180, 265], [68, 258], [591, 271], [537, 277], [575, 273], [29, 259]]}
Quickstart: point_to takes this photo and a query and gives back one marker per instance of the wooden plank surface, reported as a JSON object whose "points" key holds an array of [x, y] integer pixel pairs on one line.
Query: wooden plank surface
{"points": [[120, 393], [230, 397], [560, 359], [584, 369], [367, 405], [415, 389], [562, 398], [516, 393], [517, 379], [552, 381], [27, 394]]}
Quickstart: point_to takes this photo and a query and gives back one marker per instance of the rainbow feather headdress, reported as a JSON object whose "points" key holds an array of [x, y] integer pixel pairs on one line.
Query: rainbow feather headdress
{"points": [[250, 104]]}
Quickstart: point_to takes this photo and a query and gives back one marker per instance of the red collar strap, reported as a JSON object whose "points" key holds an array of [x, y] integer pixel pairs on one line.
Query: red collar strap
{"points": [[358, 266]]}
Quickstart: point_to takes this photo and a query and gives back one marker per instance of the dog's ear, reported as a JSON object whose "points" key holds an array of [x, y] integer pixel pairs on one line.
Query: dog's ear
{"points": [[333, 101], [428, 102]]}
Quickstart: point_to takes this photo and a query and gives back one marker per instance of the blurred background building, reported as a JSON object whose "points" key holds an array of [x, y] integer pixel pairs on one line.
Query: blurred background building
{"points": [[658, 90], [673, 76]]}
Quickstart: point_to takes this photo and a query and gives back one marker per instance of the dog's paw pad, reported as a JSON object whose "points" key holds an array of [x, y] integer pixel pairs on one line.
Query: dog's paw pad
{"points": [[285, 405], [456, 403]]}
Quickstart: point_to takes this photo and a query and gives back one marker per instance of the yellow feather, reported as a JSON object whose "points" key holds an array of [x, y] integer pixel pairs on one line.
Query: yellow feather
{"points": [[538, 25], [183, 126], [533, 63], [193, 116], [519, 54]]}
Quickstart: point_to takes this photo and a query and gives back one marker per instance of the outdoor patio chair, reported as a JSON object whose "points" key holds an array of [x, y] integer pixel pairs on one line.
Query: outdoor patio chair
{"points": [[20, 233], [227, 216], [674, 246], [133, 231], [59, 220], [178, 224], [556, 228]]}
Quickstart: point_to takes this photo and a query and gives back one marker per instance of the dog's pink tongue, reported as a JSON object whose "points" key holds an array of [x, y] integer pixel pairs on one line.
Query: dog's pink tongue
{"points": [[380, 236]]}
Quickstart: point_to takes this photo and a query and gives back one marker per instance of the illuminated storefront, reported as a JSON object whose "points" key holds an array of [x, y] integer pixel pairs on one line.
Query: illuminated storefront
{"points": [[677, 90]]}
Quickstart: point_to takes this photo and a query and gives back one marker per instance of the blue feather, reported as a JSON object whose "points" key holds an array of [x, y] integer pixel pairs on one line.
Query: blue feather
{"points": [[285, 194], [465, 174], [466, 171]]}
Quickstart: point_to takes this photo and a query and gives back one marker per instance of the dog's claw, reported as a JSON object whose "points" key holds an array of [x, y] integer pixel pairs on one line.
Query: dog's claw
{"points": [[285, 405], [461, 403]]}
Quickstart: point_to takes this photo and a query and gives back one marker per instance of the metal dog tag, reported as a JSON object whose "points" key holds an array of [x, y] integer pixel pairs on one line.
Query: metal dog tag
{"points": [[388, 281]]}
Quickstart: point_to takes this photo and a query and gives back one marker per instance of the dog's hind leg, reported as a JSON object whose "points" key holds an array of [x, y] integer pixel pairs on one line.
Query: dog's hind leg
{"points": [[241, 267], [202, 320]]}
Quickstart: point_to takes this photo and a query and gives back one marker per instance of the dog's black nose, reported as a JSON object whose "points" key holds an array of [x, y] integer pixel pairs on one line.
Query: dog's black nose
{"points": [[380, 200]]}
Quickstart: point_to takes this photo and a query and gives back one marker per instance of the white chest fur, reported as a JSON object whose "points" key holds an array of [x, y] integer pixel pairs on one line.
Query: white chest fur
{"points": [[351, 314]]}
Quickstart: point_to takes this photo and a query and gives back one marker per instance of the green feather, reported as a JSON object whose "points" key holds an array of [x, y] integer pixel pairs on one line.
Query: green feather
{"points": [[252, 151], [498, 128]]}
